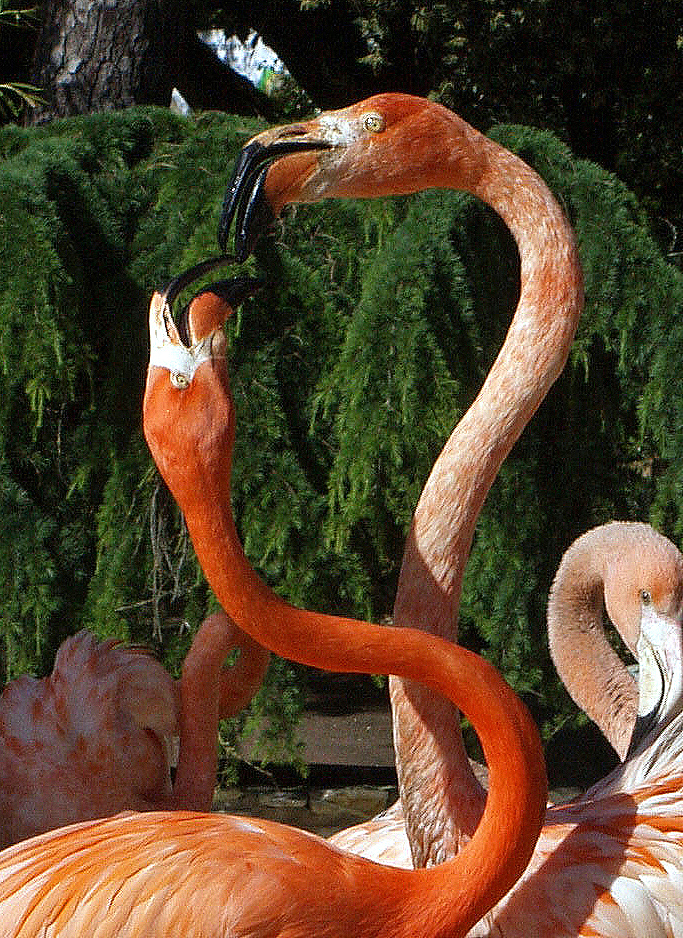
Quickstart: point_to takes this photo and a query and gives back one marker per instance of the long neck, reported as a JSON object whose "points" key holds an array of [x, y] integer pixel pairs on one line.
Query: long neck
{"points": [[592, 672], [241, 680], [199, 714], [442, 799], [448, 900]]}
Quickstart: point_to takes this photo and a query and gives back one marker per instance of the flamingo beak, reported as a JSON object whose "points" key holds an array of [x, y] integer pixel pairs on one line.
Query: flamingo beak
{"points": [[651, 685], [182, 347], [245, 198], [203, 315], [231, 292], [660, 677]]}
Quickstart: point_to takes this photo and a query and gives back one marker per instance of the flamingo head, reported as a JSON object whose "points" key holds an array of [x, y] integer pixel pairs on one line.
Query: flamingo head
{"points": [[389, 144], [188, 404], [644, 593]]}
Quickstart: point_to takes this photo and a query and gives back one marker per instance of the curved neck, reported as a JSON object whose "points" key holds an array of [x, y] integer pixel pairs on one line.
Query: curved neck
{"points": [[199, 714], [594, 675], [241, 679], [453, 897], [429, 750]]}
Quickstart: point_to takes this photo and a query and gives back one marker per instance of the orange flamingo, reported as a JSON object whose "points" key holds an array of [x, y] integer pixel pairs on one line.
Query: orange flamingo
{"points": [[95, 736], [395, 144], [191, 873]]}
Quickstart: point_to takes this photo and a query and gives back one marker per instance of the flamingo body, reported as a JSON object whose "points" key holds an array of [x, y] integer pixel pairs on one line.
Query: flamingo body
{"points": [[164, 872], [96, 736], [183, 873], [89, 740]]}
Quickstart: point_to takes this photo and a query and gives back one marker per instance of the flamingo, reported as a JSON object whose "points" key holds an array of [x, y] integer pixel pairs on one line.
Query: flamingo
{"points": [[615, 855], [164, 873], [94, 737], [393, 144], [396, 144]]}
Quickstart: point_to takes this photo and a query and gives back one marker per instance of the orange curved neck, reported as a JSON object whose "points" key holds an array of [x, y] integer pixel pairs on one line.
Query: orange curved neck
{"points": [[191, 440], [451, 898], [430, 754]]}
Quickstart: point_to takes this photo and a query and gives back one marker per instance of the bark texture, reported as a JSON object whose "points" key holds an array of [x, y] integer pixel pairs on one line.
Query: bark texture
{"points": [[107, 54]]}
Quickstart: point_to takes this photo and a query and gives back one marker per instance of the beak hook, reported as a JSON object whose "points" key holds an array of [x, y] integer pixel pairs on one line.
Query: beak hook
{"points": [[244, 200], [178, 284]]}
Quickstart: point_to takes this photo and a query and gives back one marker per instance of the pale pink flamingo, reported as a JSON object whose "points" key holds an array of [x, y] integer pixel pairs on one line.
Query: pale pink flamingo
{"points": [[394, 144], [610, 863], [95, 737], [163, 873]]}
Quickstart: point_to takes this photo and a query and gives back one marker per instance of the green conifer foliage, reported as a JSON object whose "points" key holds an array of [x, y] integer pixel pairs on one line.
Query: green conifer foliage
{"points": [[377, 325], [88, 228]]}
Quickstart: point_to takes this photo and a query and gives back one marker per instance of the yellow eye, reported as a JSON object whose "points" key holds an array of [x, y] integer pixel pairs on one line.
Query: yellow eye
{"points": [[373, 123], [645, 597], [179, 380]]}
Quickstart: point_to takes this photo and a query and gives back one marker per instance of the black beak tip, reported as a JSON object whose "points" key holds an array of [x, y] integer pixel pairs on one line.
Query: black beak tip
{"points": [[244, 199], [242, 249], [234, 290], [246, 170], [224, 223], [223, 239]]}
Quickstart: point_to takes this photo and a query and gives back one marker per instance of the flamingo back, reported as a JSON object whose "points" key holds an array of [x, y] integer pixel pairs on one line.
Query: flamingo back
{"points": [[610, 863], [89, 740]]}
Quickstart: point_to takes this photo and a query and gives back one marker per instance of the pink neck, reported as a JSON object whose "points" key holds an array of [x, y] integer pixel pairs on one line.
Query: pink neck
{"points": [[590, 669], [199, 713], [441, 797], [241, 680]]}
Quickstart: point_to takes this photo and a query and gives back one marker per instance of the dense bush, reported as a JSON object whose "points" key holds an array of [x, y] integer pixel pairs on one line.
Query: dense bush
{"points": [[377, 325]]}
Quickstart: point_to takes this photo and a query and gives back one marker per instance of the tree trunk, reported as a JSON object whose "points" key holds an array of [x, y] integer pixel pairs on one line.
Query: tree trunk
{"points": [[107, 54]]}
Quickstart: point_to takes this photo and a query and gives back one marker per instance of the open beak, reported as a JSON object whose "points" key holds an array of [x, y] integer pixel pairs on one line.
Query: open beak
{"points": [[245, 199], [172, 291], [232, 292], [203, 315], [185, 344]]}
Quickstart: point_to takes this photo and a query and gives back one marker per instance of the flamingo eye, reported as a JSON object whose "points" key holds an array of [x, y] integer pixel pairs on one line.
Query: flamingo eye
{"points": [[374, 123], [645, 597], [179, 380]]}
